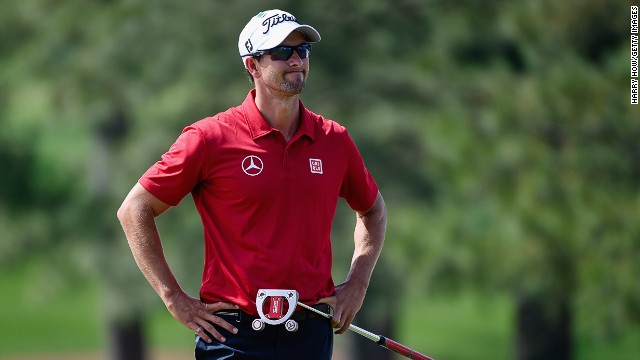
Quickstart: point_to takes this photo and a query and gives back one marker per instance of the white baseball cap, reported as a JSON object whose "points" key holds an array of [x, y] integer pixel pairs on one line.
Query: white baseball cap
{"points": [[268, 29]]}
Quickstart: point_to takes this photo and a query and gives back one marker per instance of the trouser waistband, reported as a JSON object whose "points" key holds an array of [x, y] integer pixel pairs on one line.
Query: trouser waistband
{"points": [[300, 315]]}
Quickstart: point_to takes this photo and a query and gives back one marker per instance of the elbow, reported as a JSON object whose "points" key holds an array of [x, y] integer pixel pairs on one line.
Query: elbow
{"points": [[122, 212], [381, 213], [381, 216], [375, 219], [127, 210]]}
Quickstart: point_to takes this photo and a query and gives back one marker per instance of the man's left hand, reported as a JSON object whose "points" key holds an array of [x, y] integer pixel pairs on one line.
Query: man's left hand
{"points": [[346, 303]]}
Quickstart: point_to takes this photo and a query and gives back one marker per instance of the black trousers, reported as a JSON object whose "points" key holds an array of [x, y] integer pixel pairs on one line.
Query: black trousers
{"points": [[312, 341]]}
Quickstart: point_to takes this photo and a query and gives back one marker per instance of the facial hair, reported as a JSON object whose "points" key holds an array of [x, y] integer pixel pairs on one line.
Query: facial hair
{"points": [[293, 87]]}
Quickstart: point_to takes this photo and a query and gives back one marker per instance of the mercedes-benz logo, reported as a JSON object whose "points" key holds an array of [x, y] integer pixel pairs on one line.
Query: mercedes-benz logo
{"points": [[252, 165]]}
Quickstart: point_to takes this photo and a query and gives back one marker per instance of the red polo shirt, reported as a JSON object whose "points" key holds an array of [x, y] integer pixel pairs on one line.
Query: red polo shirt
{"points": [[266, 205]]}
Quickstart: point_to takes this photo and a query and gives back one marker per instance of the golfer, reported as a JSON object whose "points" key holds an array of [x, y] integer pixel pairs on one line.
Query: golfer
{"points": [[265, 177]]}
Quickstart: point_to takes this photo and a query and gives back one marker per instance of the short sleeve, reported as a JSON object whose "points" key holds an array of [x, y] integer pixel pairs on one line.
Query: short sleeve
{"points": [[180, 169], [358, 188]]}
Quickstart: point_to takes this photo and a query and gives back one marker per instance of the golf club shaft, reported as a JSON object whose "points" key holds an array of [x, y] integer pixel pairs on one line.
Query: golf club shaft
{"points": [[380, 340]]}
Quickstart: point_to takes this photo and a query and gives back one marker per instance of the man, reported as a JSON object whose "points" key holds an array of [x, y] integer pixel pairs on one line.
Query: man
{"points": [[265, 177]]}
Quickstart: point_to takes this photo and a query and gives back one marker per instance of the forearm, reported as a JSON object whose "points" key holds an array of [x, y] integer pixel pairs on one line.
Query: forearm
{"points": [[137, 216], [138, 223], [369, 237]]}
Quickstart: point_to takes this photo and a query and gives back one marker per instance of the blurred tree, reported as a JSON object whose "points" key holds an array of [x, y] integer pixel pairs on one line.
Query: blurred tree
{"points": [[498, 130], [532, 154]]}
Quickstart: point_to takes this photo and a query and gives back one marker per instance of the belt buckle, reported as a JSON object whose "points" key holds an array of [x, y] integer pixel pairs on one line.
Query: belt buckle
{"points": [[277, 298]]}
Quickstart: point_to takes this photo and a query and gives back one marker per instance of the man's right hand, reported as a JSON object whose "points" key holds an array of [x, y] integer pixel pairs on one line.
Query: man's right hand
{"points": [[199, 317]]}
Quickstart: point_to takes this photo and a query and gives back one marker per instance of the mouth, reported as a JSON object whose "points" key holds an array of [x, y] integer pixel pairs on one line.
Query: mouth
{"points": [[295, 72]]}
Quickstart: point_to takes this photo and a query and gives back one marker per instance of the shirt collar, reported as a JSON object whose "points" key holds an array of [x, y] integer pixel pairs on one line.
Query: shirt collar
{"points": [[258, 126]]}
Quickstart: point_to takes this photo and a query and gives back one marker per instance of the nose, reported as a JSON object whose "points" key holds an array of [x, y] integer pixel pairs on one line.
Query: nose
{"points": [[295, 60]]}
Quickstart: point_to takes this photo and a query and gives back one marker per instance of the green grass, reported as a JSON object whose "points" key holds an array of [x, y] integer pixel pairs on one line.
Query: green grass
{"points": [[32, 321], [166, 333], [625, 347], [35, 320], [472, 327], [463, 327]]}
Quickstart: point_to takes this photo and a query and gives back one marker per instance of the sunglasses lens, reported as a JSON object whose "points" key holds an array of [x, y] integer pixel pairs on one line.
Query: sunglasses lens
{"points": [[303, 51], [285, 52], [281, 53]]}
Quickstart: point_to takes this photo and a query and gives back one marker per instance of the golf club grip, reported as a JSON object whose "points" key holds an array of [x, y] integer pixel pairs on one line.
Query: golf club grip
{"points": [[401, 349]]}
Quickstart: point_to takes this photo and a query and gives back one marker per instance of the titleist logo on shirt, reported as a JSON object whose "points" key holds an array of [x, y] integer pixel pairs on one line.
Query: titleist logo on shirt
{"points": [[275, 20]]}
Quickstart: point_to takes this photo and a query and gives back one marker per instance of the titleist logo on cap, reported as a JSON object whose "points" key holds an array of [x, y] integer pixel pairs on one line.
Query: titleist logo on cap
{"points": [[274, 20], [270, 28]]}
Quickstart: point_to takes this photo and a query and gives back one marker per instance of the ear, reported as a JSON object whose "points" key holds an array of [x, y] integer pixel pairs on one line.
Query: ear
{"points": [[251, 64]]}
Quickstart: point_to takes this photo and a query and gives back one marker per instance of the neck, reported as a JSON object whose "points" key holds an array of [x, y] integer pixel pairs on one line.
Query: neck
{"points": [[281, 112]]}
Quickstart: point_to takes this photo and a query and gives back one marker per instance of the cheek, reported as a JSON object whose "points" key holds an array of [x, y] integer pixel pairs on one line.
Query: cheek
{"points": [[272, 72]]}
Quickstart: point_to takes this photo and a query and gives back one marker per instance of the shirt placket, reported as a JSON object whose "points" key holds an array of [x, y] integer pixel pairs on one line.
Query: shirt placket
{"points": [[288, 154]]}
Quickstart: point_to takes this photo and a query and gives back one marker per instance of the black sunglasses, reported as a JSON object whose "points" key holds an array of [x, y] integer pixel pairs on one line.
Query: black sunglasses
{"points": [[285, 52]]}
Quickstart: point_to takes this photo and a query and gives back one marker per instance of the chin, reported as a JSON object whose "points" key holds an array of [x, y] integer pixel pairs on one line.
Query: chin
{"points": [[293, 88]]}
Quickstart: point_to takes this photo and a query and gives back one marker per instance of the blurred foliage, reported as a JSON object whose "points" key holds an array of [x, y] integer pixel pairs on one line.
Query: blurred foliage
{"points": [[499, 131]]}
